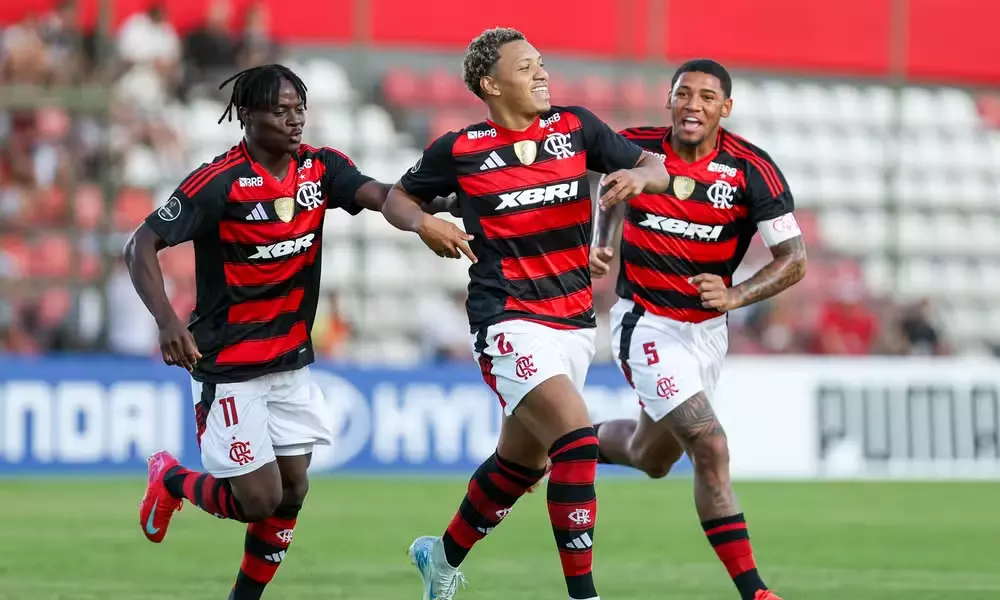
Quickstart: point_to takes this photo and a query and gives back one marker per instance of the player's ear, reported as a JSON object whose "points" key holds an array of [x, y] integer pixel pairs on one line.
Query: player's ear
{"points": [[245, 116], [489, 86], [727, 107]]}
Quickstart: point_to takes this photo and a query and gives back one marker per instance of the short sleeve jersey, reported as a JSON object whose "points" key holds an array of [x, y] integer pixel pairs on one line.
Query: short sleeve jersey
{"points": [[525, 196], [257, 246]]}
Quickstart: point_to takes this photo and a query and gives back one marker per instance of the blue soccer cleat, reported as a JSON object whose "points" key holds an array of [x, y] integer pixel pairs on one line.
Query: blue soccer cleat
{"points": [[440, 579]]}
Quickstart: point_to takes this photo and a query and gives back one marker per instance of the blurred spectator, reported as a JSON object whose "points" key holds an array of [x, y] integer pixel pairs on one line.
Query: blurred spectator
{"points": [[210, 50], [444, 328], [919, 331], [847, 325], [255, 46]]}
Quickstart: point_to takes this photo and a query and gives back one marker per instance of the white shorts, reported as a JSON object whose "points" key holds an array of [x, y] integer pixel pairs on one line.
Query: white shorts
{"points": [[243, 426], [516, 356], [667, 361]]}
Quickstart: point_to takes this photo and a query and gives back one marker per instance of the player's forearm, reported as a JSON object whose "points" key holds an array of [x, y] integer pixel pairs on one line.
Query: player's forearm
{"points": [[653, 173], [445, 204], [402, 210], [608, 222], [147, 277], [786, 269]]}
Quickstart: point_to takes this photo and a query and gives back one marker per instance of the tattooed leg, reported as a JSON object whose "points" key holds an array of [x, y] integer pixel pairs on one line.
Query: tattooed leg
{"points": [[697, 428]]}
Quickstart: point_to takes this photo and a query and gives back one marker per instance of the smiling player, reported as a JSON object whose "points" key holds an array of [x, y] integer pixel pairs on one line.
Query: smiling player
{"points": [[679, 250]]}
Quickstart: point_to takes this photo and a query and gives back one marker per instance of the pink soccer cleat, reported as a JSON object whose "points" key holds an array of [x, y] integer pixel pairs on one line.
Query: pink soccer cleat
{"points": [[158, 505]]}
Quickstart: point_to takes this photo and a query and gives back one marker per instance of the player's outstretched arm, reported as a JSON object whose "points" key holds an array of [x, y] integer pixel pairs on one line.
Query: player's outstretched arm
{"points": [[406, 212], [140, 255], [649, 175], [607, 224]]}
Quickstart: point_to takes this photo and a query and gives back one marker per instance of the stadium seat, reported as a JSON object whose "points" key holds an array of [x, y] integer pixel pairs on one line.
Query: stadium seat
{"points": [[444, 88], [132, 206], [15, 256], [339, 265], [51, 256], [632, 94], [598, 93], [88, 207], [402, 88], [328, 82]]}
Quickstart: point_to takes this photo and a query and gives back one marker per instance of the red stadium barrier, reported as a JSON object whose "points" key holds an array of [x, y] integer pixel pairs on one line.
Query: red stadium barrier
{"points": [[943, 39]]}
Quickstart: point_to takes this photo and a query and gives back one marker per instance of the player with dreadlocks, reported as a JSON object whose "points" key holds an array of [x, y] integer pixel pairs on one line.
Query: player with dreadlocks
{"points": [[255, 215]]}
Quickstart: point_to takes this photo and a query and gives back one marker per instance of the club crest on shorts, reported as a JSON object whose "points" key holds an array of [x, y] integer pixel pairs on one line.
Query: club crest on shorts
{"points": [[526, 151], [683, 187], [284, 208]]}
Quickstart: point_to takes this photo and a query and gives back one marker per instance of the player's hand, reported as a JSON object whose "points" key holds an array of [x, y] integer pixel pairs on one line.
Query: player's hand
{"points": [[621, 186], [600, 261], [714, 293], [177, 345], [444, 238]]}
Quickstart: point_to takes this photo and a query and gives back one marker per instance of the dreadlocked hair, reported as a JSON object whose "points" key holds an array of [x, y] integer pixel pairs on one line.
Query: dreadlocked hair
{"points": [[257, 88]]}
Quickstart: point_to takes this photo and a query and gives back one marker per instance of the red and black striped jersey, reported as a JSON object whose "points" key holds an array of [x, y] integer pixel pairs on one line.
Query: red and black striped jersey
{"points": [[257, 245], [703, 224], [525, 196]]}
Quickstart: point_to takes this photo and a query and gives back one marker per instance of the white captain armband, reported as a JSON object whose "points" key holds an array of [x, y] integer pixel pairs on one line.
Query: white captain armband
{"points": [[780, 229]]}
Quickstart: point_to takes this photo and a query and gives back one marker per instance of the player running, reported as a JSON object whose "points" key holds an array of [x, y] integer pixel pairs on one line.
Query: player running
{"points": [[255, 215], [679, 250], [521, 180]]}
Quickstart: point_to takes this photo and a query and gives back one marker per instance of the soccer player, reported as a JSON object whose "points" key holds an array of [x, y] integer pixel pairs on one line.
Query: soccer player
{"points": [[255, 215], [521, 180], [679, 250]]}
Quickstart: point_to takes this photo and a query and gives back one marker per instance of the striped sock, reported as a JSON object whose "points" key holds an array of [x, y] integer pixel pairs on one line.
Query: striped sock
{"points": [[214, 496], [731, 540]]}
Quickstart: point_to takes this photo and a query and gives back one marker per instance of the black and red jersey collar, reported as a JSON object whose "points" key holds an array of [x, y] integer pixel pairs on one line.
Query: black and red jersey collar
{"points": [[293, 165], [530, 133]]}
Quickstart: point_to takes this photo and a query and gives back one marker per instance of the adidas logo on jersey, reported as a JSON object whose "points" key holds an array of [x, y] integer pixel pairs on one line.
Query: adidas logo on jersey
{"points": [[549, 193], [691, 230], [284, 248], [492, 162], [258, 213], [581, 542]]}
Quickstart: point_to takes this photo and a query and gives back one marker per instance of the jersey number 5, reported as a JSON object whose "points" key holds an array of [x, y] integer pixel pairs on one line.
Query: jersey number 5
{"points": [[229, 411], [652, 357]]}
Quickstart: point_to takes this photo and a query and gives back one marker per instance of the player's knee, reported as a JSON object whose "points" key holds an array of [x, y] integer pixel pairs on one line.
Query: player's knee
{"points": [[294, 492], [656, 465], [260, 504]]}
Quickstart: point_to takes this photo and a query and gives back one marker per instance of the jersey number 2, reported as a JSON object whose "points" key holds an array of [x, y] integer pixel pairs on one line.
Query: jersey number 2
{"points": [[229, 411], [502, 344], [652, 357]]}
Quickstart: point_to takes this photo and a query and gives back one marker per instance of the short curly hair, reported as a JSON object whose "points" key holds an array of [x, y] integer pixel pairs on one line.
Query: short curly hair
{"points": [[483, 54]]}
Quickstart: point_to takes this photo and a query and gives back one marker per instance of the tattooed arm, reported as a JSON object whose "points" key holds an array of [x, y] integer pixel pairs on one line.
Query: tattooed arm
{"points": [[787, 268]]}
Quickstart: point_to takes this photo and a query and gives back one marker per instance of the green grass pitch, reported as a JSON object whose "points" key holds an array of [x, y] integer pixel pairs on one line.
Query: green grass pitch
{"points": [[80, 540]]}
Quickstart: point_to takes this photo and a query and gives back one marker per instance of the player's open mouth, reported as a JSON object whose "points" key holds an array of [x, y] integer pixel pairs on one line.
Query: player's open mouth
{"points": [[690, 125], [542, 91], [296, 137]]}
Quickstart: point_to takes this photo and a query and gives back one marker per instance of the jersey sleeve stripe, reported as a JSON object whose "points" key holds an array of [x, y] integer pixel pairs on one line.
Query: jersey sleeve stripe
{"points": [[266, 350], [200, 176], [529, 222], [251, 274], [242, 232], [509, 179], [566, 306], [763, 165], [262, 311], [668, 245], [546, 265]]}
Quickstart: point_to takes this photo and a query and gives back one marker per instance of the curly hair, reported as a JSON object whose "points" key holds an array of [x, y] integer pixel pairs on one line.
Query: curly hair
{"points": [[483, 54]]}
